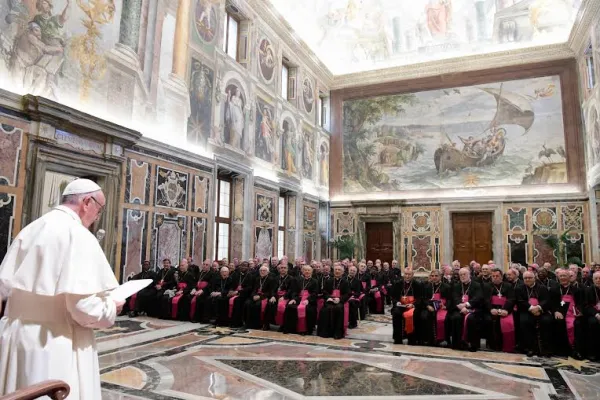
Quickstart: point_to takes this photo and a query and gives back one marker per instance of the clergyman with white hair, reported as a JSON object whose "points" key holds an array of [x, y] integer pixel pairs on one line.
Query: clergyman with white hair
{"points": [[56, 278]]}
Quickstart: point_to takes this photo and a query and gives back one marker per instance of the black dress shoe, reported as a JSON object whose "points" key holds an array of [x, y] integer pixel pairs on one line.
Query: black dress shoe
{"points": [[530, 353], [577, 355]]}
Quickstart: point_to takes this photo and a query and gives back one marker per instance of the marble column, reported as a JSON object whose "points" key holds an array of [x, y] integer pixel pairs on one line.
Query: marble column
{"points": [[481, 22], [182, 35], [129, 33]]}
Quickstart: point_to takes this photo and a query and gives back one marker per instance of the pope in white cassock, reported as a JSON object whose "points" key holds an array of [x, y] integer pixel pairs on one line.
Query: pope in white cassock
{"points": [[56, 278]]}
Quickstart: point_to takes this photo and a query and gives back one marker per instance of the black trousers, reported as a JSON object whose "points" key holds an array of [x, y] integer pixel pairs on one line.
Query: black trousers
{"points": [[536, 332]]}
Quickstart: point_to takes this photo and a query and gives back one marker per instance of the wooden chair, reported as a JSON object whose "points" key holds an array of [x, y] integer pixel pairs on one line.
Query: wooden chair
{"points": [[56, 390]]}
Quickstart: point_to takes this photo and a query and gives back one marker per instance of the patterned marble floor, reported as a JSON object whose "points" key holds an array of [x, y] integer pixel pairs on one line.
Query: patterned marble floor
{"points": [[144, 358]]}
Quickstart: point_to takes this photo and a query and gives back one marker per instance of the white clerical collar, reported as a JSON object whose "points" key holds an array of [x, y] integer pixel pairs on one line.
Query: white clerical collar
{"points": [[68, 211]]}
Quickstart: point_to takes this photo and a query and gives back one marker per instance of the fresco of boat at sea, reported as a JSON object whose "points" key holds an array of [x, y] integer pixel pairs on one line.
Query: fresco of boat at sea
{"points": [[495, 134]]}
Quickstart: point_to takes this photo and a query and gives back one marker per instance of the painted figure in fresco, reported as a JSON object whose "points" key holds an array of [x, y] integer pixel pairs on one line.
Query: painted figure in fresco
{"points": [[234, 116], [16, 20], [264, 145], [307, 156], [28, 61], [266, 56], [308, 95], [206, 21], [288, 162], [201, 85], [51, 25], [324, 170], [439, 17]]}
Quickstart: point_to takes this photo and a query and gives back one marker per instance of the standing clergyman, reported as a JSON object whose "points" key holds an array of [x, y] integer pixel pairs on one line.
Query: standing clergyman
{"points": [[56, 277]]}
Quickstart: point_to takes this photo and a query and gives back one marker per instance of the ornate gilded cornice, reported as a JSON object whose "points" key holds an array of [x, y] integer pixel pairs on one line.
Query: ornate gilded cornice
{"points": [[454, 65]]}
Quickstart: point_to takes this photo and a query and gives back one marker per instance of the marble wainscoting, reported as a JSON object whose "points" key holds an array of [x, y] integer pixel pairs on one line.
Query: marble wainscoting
{"points": [[142, 358]]}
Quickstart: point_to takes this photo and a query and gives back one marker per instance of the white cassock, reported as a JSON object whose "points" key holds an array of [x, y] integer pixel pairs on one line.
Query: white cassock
{"points": [[57, 277]]}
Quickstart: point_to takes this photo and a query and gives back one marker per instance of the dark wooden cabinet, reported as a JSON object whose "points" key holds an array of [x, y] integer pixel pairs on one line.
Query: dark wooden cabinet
{"points": [[472, 233], [380, 241]]}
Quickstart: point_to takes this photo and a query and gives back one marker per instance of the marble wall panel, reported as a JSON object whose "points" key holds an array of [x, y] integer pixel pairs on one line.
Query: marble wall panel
{"points": [[137, 190], [169, 238], [171, 188], [199, 240], [421, 238], [10, 143], [237, 241], [546, 232], [310, 218], [7, 216], [238, 199], [133, 242], [264, 240], [201, 194]]}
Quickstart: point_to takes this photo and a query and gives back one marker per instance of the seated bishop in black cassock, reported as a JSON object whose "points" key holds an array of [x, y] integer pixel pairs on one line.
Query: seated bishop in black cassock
{"points": [[286, 288], [139, 301], [467, 301], [592, 314], [567, 304], [175, 303], [200, 310], [165, 280], [334, 316], [242, 282], [498, 315], [220, 287], [535, 316], [357, 301], [407, 300], [301, 311], [256, 306], [434, 323]]}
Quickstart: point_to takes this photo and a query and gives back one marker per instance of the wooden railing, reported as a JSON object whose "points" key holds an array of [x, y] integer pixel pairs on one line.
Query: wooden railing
{"points": [[56, 390]]}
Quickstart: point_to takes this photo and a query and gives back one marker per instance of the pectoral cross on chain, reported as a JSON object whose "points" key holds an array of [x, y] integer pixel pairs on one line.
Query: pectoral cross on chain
{"points": [[499, 294], [562, 303]]}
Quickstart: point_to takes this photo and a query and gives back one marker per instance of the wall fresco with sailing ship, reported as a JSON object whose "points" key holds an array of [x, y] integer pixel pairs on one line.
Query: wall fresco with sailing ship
{"points": [[497, 134]]}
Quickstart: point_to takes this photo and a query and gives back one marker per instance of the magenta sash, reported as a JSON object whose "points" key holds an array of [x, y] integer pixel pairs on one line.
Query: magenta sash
{"points": [[200, 286], [301, 325], [440, 318], [364, 285], [465, 299], [281, 304], [132, 302], [336, 293], [384, 290], [377, 297], [175, 300], [570, 318], [507, 326], [232, 301], [533, 302]]}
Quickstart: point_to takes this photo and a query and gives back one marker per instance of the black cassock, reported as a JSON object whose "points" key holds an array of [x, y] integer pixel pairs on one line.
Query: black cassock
{"points": [[473, 294], [177, 307], [592, 308], [298, 317], [568, 333], [405, 320], [499, 333], [331, 319], [535, 331], [166, 279], [321, 280], [242, 284], [357, 302], [285, 290], [220, 304], [376, 296], [264, 288], [200, 310], [435, 325], [139, 301]]}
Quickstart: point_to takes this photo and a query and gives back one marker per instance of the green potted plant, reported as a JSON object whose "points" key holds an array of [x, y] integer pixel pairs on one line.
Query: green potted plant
{"points": [[345, 246], [559, 245]]}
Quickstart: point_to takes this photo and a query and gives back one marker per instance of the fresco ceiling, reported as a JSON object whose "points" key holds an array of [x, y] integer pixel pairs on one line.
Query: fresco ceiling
{"points": [[359, 35]]}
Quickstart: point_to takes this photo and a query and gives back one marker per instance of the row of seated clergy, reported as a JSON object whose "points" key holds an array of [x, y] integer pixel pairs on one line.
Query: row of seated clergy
{"points": [[532, 316], [255, 300]]}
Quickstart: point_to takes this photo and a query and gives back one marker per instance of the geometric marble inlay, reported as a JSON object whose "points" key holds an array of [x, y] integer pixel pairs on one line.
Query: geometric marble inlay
{"points": [[323, 378]]}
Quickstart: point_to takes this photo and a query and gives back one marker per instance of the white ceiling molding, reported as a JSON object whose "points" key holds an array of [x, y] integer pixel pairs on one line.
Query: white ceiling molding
{"points": [[455, 65]]}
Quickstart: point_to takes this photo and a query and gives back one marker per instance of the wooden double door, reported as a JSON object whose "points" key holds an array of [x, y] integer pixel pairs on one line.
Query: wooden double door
{"points": [[472, 233], [380, 241]]}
